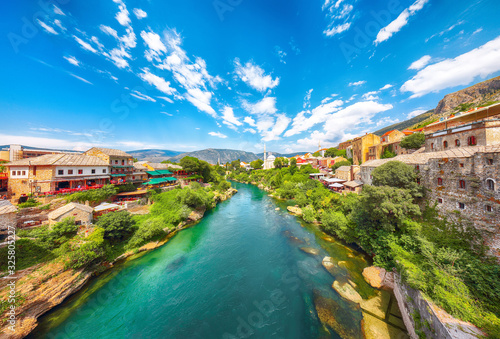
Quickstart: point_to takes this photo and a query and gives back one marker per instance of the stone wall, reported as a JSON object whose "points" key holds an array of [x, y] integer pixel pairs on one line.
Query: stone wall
{"points": [[17, 187], [8, 219], [83, 217], [421, 316]]}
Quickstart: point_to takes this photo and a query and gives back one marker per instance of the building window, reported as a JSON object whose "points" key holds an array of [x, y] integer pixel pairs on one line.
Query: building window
{"points": [[457, 142], [123, 162], [461, 165], [418, 167], [432, 145], [18, 172], [445, 144], [70, 171], [116, 162], [489, 161], [440, 201], [133, 178], [60, 172], [34, 170], [472, 141], [461, 184], [93, 171], [104, 171], [24, 172], [80, 171], [490, 184], [418, 181], [489, 208], [440, 181], [461, 205]]}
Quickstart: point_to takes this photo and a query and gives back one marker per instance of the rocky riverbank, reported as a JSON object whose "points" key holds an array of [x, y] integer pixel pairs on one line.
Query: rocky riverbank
{"points": [[42, 287]]}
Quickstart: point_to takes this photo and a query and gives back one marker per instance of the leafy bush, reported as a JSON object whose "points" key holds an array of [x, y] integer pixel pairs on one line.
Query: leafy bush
{"points": [[413, 141], [116, 225], [151, 229], [93, 249], [31, 202], [95, 196], [309, 214], [224, 186], [44, 207], [28, 253]]}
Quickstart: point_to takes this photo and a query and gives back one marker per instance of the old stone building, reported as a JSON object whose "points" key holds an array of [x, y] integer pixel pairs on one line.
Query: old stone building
{"points": [[122, 163], [361, 146], [53, 172], [347, 173], [463, 182], [82, 214], [8, 215]]}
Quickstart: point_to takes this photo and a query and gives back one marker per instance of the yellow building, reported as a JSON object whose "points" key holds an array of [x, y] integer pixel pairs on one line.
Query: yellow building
{"points": [[361, 146]]}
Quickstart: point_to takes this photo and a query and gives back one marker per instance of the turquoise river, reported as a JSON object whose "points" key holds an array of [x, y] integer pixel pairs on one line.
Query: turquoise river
{"points": [[239, 273]]}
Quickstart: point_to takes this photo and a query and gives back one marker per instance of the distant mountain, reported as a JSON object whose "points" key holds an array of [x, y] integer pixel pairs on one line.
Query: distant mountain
{"points": [[407, 123], [482, 94], [212, 155], [153, 155]]}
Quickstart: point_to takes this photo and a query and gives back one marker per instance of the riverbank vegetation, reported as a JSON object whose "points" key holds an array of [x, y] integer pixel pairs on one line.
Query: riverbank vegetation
{"points": [[392, 221]]}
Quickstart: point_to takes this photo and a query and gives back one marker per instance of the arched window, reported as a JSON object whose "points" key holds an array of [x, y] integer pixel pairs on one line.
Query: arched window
{"points": [[472, 141], [440, 181], [462, 183], [457, 142], [490, 184], [445, 144]]}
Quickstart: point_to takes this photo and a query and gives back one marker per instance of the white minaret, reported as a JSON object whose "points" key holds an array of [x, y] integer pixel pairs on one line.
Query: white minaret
{"points": [[265, 155]]}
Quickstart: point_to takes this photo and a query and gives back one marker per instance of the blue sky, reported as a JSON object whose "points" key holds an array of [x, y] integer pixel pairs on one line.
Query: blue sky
{"points": [[187, 75]]}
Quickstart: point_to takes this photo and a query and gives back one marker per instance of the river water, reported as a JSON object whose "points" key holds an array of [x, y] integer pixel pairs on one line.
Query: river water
{"points": [[239, 273]]}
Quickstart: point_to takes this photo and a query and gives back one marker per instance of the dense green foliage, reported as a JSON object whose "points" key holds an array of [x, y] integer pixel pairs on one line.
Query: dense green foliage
{"points": [[444, 260], [413, 141], [280, 162], [31, 202], [116, 225], [388, 153], [334, 152], [257, 164], [94, 196], [201, 168]]}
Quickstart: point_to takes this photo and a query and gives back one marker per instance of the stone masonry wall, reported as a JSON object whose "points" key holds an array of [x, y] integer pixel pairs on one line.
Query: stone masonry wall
{"points": [[8, 219]]}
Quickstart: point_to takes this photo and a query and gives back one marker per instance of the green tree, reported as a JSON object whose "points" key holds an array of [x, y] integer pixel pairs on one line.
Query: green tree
{"points": [[224, 186], [278, 162], [235, 164], [316, 154], [293, 166], [116, 225], [384, 208], [388, 153], [339, 164], [257, 164], [413, 141], [190, 164], [397, 174]]}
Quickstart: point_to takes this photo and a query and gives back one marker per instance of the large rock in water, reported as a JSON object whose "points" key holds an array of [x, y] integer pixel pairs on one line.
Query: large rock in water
{"points": [[295, 210], [378, 277], [347, 291], [310, 250]]}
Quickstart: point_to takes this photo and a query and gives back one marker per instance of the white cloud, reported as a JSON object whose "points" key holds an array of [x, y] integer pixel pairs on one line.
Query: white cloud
{"points": [[386, 87], [479, 30], [280, 53], [229, 118], [265, 106], [47, 28], [307, 99], [415, 113], [58, 11], [108, 30], [307, 119], [250, 130], [357, 83], [339, 15], [139, 13], [168, 114], [250, 121], [370, 96], [129, 39], [446, 30], [72, 60], [386, 121], [347, 119], [154, 80], [123, 15], [254, 76], [156, 46], [218, 134], [80, 78], [166, 99], [337, 29], [59, 24], [402, 20], [117, 56], [141, 96], [420, 63], [279, 127], [201, 99], [459, 71], [85, 45]]}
